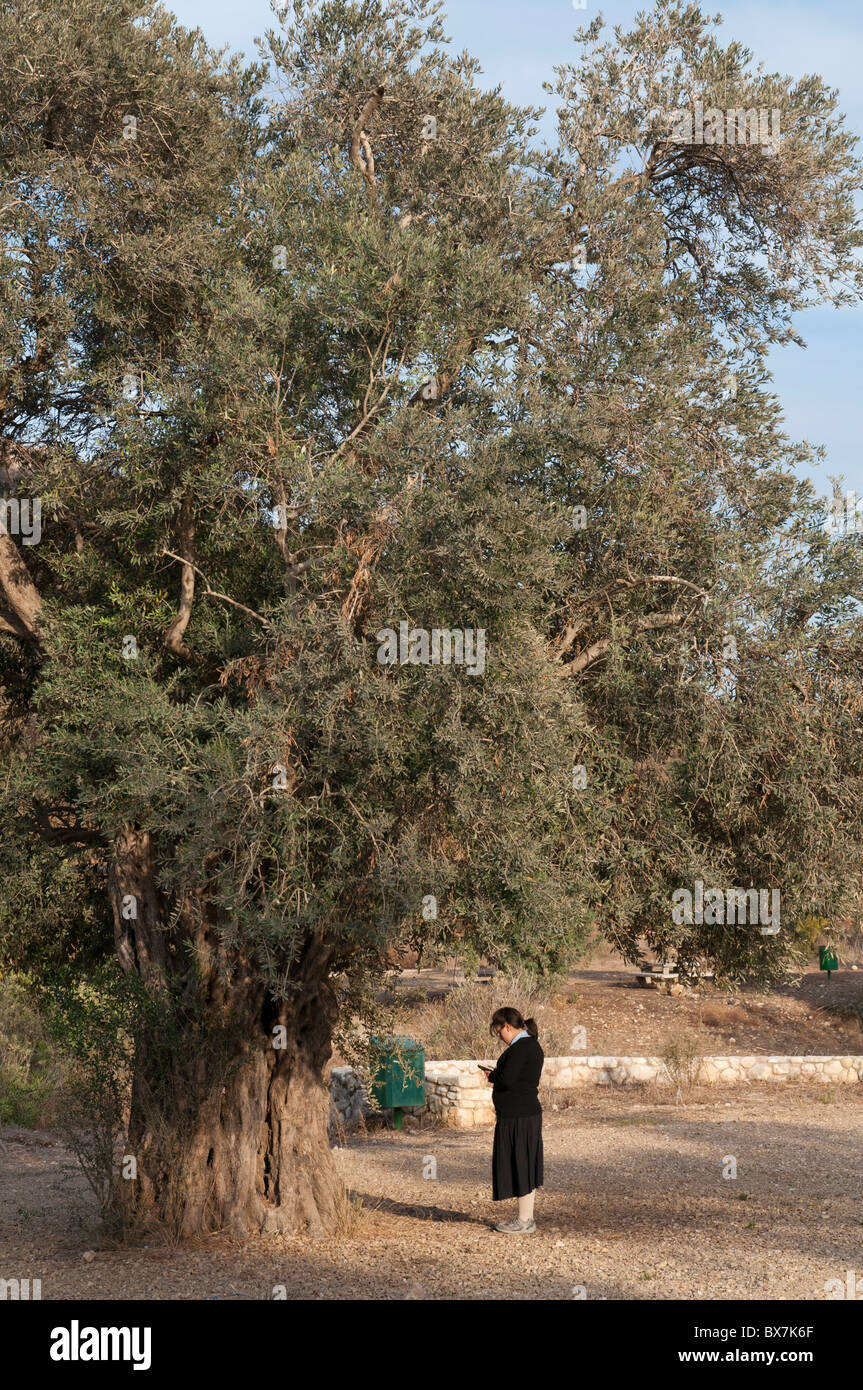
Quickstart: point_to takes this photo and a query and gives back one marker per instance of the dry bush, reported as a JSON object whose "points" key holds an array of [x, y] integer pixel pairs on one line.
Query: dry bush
{"points": [[457, 1026], [90, 1120], [655, 1093], [716, 1016], [681, 1058], [564, 1097], [847, 1016], [351, 1217]]}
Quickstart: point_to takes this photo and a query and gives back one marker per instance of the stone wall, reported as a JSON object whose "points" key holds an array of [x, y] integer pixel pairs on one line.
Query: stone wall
{"points": [[347, 1098], [457, 1093]]}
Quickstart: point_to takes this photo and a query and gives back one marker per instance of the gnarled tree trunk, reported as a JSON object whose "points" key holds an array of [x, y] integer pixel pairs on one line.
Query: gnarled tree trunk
{"points": [[229, 1110]]}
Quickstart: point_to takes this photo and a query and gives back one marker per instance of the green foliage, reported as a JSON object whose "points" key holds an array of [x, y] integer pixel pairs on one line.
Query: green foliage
{"points": [[368, 395], [808, 931], [93, 1025], [29, 1070]]}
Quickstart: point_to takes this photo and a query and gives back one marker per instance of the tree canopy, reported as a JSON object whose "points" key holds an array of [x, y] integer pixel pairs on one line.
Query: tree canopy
{"points": [[300, 351]]}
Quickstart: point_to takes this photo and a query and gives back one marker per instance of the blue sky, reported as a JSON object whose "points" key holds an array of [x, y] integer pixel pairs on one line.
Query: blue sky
{"points": [[518, 45]]}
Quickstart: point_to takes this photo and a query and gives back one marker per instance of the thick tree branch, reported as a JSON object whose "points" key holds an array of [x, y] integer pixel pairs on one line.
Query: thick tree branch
{"points": [[370, 547], [564, 641], [20, 600], [649, 622], [20, 597], [174, 634], [13, 625], [360, 140], [60, 826]]}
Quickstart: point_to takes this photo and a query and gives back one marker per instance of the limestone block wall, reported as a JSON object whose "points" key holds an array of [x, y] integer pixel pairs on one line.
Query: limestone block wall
{"points": [[347, 1097], [814, 1068], [457, 1093]]}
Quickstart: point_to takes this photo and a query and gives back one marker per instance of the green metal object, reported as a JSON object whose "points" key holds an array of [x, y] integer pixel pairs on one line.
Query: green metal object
{"points": [[399, 1078], [827, 959]]}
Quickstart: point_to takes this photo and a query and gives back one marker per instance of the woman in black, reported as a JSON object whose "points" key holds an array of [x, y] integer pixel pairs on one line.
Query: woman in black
{"points": [[517, 1153]]}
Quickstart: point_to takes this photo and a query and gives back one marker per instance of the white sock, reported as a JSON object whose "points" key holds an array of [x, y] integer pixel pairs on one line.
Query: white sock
{"points": [[525, 1207]]}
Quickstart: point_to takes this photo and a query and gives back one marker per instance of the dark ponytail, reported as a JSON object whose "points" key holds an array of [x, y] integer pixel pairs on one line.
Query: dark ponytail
{"points": [[515, 1020]]}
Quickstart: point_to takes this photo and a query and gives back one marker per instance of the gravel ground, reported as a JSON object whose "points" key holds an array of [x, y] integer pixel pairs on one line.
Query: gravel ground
{"points": [[634, 1207]]}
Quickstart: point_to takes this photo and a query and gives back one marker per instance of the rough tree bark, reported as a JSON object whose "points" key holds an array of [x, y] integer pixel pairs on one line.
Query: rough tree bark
{"points": [[138, 937], [20, 601], [229, 1130]]}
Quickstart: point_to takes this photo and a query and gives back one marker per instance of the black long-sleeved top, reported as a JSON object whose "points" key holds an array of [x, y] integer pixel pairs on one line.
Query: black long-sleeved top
{"points": [[516, 1079]]}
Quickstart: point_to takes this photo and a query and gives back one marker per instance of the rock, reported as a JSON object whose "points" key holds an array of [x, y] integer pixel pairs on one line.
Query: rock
{"points": [[642, 1072]]}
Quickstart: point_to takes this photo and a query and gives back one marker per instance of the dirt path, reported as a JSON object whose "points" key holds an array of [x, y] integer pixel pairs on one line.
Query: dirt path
{"points": [[634, 1207]]}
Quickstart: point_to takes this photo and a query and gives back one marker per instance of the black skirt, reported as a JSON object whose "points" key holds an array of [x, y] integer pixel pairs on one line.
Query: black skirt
{"points": [[516, 1160]]}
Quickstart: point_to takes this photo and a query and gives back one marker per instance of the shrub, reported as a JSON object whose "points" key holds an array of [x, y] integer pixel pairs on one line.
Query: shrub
{"points": [[30, 1073], [808, 931], [719, 1017], [457, 1026], [681, 1058]]}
